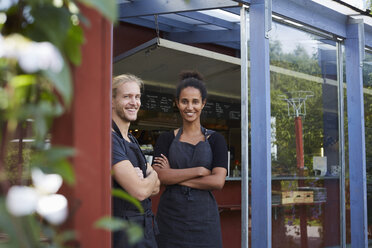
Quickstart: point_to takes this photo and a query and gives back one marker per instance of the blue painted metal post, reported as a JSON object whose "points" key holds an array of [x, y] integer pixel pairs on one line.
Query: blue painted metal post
{"points": [[244, 124], [260, 124], [354, 48]]}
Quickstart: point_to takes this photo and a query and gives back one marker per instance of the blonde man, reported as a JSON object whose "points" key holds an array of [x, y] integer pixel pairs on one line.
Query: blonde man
{"points": [[130, 170]]}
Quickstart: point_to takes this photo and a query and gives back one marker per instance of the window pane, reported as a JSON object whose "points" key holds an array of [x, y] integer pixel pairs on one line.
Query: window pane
{"points": [[305, 139], [367, 89]]}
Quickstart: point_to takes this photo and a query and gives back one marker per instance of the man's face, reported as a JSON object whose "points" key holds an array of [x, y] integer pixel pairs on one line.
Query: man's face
{"points": [[127, 101]]}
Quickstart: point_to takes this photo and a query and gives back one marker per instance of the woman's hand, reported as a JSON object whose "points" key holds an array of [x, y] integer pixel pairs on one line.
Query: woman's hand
{"points": [[162, 162], [204, 171]]}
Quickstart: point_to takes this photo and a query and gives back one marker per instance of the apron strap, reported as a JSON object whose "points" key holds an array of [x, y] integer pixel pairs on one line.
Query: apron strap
{"points": [[133, 140], [116, 129], [141, 158], [204, 131], [179, 133]]}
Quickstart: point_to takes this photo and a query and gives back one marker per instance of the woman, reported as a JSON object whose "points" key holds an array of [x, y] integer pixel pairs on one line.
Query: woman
{"points": [[191, 161]]}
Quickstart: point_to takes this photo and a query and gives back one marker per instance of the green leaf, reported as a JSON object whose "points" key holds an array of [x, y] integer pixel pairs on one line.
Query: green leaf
{"points": [[22, 80], [62, 168], [62, 82], [32, 229], [108, 8], [67, 236], [4, 99], [74, 39], [54, 160], [50, 24], [133, 230], [22, 231], [6, 220], [42, 113], [124, 195], [110, 223], [134, 233], [20, 85], [59, 152]]}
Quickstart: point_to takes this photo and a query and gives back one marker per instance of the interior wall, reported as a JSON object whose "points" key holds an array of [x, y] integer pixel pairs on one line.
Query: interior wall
{"points": [[128, 36]]}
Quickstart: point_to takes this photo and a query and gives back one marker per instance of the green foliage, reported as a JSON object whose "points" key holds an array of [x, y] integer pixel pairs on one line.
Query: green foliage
{"points": [[54, 161], [28, 231], [40, 38], [124, 195], [62, 82], [107, 8], [54, 30], [72, 44], [133, 230]]}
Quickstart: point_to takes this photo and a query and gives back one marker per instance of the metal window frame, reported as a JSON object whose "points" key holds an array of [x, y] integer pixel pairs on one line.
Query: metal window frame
{"points": [[305, 12]]}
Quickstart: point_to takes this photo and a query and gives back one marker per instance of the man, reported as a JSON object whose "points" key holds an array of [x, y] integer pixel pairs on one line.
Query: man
{"points": [[130, 170]]}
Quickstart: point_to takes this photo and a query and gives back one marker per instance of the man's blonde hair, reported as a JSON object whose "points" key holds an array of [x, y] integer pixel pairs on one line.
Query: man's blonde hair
{"points": [[125, 78]]}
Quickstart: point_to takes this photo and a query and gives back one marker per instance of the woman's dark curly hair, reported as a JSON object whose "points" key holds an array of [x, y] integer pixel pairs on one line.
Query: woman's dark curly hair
{"points": [[191, 79]]}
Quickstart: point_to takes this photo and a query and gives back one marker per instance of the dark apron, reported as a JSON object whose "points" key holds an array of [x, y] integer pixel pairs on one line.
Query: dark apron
{"points": [[188, 217], [127, 211]]}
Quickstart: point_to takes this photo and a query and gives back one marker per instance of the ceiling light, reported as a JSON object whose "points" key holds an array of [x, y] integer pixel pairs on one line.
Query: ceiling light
{"points": [[293, 23], [222, 14], [277, 17]]}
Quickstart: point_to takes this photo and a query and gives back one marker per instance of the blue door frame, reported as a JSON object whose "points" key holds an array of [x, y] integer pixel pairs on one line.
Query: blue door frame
{"points": [[355, 34]]}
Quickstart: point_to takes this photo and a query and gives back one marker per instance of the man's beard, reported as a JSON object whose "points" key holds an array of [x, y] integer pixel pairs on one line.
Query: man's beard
{"points": [[122, 115]]}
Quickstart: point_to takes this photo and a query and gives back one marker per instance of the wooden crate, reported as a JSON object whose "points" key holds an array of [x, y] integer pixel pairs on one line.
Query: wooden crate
{"points": [[295, 197]]}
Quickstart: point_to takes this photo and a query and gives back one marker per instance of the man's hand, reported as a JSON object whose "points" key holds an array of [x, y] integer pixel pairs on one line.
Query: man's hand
{"points": [[149, 169], [133, 181], [156, 188], [139, 172]]}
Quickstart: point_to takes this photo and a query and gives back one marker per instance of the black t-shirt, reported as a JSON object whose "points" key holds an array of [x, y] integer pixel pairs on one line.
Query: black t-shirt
{"points": [[124, 150], [216, 141]]}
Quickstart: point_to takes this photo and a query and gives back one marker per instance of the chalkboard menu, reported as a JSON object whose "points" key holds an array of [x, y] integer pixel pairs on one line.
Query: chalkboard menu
{"points": [[222, 110], [209, 109], [157, 101], [166, 103], [163, 102]]}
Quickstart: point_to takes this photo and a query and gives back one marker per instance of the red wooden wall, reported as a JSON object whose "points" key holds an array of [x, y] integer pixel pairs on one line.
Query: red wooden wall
{"points": [[87, 128]]}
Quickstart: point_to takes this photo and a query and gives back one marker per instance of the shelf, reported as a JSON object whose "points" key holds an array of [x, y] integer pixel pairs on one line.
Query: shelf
{"points": [[289, 178], [297, 203], [230, 207], [233, 178], [305, 178], [238, 207]]}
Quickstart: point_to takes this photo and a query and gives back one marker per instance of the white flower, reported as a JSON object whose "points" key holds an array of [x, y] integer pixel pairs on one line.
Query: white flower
{"points": [[73, 8], [53, 208], [40, 56], [32, 56], [46, 183], [58, 3], [6, 4], [22, 200]]}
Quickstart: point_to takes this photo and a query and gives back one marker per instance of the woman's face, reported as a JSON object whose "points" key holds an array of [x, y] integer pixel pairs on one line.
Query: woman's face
{"points": [[190, 104]]}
